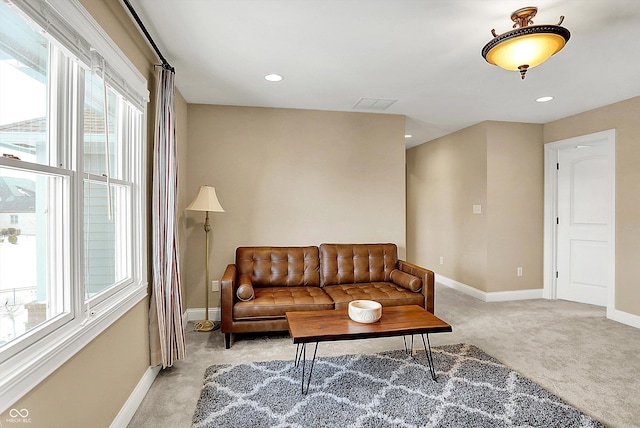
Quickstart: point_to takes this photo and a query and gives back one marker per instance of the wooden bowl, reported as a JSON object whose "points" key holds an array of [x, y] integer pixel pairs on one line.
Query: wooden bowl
{"points": [[365, 311]]}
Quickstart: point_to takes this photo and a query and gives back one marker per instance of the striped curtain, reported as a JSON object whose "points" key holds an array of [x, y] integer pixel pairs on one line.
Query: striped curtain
{"points": [[165, 327]]}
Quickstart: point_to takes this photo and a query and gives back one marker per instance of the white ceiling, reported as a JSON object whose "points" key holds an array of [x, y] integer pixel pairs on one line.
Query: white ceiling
{"points": [[423, 53]]}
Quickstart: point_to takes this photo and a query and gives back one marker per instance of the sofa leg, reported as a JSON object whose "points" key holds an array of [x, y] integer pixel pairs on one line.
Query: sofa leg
{"points": [[227, 340]]}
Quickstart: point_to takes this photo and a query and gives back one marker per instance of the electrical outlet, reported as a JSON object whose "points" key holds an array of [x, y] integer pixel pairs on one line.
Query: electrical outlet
{"points": [[519, 271], [441, 260], [215, 285]]}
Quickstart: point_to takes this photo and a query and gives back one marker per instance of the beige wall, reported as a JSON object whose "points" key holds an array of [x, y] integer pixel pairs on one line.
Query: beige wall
{"points": [[624, 117], [493, 164], [445, 178], [510, 158], [515, 206], [91, 388], [292, 177]]}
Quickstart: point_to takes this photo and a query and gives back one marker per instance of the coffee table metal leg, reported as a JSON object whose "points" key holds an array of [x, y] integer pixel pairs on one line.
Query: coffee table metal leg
{"points": [[427, 350], [409, 351], [304, 364], [298, 353]]}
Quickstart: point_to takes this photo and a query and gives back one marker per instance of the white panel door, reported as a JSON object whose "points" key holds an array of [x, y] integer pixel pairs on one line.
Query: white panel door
{"points": [[584, 211]]}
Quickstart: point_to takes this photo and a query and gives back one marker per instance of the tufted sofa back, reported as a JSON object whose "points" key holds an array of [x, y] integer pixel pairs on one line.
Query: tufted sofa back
{"points": [[353, 263], [279, 266]]}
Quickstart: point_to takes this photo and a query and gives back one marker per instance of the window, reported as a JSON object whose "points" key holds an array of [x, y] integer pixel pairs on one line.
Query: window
{"points": [[72, 145], [30, 295]]}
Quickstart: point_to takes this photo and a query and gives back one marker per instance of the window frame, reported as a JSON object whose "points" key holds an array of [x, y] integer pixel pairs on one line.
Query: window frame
{"points": [[61, 270], [45, 348]]}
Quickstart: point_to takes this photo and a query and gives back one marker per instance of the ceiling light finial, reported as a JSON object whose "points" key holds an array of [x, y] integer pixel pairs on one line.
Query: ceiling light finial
{"points": [[526, 46]]}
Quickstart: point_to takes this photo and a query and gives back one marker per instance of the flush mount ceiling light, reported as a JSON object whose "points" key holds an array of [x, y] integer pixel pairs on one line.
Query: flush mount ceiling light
{"points": [[543, 99], [528, 45]]}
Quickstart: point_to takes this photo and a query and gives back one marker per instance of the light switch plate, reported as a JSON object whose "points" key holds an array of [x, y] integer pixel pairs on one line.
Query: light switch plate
{"points": [[477, 209]]}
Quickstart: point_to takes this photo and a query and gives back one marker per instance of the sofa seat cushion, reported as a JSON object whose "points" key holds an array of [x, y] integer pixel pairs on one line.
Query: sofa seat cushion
{"points": [[274, 302], [386, 293]]}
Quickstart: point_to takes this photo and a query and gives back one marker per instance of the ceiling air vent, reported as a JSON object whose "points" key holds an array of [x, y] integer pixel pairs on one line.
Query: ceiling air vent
{"points": [[377, 104]]}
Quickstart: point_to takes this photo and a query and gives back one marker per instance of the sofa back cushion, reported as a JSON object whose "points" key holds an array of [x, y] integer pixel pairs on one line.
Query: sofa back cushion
{"points": [[353, 263], [279, 266]]}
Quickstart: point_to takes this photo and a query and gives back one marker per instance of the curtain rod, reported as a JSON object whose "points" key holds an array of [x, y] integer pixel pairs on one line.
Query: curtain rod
{"points": [[165, 63]]}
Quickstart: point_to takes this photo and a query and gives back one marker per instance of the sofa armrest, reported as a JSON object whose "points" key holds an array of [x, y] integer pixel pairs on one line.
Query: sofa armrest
{"points": [[428, 282], [227, 296]]}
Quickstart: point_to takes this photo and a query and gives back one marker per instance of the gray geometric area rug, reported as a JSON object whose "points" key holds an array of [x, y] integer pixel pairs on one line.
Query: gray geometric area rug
{"points": [[389, 389]]}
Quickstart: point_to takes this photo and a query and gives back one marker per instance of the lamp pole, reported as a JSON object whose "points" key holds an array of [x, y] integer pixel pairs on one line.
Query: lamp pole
{"points": [[207, 229], [206, 325]]}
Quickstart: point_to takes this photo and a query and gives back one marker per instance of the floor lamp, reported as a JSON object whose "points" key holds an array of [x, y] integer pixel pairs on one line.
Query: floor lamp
{"points": [[206, 201]]}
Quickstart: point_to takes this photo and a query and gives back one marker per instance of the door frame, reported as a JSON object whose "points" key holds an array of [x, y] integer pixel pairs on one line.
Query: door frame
{"points": [[551, 153]]}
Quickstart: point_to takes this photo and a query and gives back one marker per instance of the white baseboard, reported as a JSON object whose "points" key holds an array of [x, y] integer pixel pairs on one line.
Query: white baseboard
{"points": [[195, 314], [135, 399], [466, 289], [494, 296], [624, 317], [502, 296]]}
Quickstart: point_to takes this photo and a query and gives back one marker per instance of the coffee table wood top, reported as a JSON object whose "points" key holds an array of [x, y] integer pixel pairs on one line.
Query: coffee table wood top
{"points": [[330, 325]]}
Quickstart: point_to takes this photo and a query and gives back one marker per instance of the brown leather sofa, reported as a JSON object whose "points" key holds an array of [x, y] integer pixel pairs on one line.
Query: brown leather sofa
{"points": [[266, 282]]}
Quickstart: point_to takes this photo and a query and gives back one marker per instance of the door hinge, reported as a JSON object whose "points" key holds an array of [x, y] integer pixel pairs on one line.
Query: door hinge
{"points": [[558, 165], [556, 274], [557, 220]]}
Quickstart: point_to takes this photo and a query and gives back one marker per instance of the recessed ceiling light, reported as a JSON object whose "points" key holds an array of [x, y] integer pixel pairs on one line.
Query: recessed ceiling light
{"points": [[273, 77], [544, 99], [408, 135]]}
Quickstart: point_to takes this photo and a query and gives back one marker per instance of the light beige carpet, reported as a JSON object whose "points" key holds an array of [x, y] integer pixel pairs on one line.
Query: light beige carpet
{"points": [[570, 349]]}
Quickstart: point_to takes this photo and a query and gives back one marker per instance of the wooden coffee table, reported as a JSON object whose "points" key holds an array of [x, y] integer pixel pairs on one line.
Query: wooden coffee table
{"points": [[331, 325]]}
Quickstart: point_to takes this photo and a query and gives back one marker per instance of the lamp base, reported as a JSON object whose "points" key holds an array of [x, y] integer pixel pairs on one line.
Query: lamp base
{"points": [[206, 325]]}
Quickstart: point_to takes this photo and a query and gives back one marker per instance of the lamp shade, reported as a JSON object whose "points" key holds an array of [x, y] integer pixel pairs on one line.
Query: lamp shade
{"points": [[206, 200], [525, 49], [528, 45]]}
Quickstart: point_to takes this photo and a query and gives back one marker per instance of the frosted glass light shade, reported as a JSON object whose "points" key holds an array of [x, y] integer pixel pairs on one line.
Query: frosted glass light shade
{"points": [[528, 45], [206, 200], [529, 49], [532, 50]]}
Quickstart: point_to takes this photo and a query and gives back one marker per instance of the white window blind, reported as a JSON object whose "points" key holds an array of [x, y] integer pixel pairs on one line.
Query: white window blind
{"points": [[84, 42], [51, 24]]}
